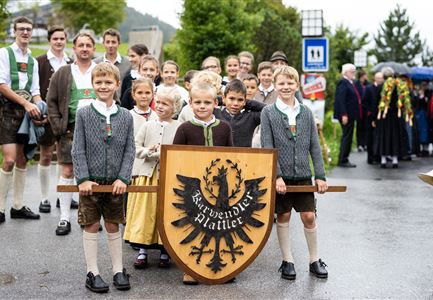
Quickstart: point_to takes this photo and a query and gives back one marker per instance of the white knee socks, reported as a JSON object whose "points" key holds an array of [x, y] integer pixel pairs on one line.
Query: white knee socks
{"points": [[5, 182], [90, 244], [19, 183], [115, 247], [283, 233], [44, 179], [311, 237], [65, 200]]}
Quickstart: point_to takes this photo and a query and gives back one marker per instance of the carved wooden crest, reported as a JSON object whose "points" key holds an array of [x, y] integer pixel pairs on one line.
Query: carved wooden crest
{"points": [[215, 207]]}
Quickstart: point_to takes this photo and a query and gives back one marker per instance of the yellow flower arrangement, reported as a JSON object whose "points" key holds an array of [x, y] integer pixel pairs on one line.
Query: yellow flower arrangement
{"points": [[403, 101]]}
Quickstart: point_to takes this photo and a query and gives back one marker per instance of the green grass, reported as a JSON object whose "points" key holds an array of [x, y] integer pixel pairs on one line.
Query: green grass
{"points": [[332, 134], [123, 48]]}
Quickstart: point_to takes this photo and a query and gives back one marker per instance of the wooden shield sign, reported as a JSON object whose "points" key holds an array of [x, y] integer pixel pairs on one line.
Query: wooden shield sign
{"points": [[215, 207]]}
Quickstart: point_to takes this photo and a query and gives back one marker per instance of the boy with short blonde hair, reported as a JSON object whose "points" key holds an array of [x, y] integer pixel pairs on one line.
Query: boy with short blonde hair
{"points": [[204, 129], [103, 153], [289, 126]]}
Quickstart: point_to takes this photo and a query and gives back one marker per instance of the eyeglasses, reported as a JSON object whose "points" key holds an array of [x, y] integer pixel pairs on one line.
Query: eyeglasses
{"points": [[23, 29], [210, 67]]}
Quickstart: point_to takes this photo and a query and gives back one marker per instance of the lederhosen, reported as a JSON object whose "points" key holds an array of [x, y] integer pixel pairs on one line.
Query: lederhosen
{"points": [[79, 98], [11, 113]]}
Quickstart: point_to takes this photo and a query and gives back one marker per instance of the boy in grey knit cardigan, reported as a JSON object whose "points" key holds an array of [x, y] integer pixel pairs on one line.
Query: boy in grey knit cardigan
{"points": [[289, 126], [103, 152]]}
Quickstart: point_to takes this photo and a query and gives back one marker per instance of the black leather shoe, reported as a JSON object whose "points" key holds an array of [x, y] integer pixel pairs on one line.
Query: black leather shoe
{"points": [[383, 166], [121, 281], [23, 213], [318, 269], [74, 204], [287, 270], [2, 217], [395, 166], [45, 206], [63, 228], [347, 164], [96, 284]]}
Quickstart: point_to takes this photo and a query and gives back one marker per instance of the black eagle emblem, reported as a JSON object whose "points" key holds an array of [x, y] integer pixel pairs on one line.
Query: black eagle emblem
{"points": [[220, 220]]}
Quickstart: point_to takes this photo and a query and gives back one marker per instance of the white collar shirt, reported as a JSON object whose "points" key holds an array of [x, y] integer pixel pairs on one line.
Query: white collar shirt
{"points": [[266, 91], [118, 59], [289, 111], [102, 108], [5, 76], [203, 123], [55, 62], [82, 81], [140, 112]]}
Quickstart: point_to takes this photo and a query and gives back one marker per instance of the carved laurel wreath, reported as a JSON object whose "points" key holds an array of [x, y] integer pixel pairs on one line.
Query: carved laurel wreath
{"points": [[208, 183]]}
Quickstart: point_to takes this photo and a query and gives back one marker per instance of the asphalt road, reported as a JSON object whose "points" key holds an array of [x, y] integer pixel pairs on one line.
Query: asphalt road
{"points": [[376, 240]]}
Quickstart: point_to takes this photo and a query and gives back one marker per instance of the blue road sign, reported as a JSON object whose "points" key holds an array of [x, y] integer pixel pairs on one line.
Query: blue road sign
{"points": [[315, 55]]}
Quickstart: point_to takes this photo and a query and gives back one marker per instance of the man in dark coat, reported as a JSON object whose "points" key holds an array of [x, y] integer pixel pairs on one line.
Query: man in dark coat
{"points": [[347, 111]]}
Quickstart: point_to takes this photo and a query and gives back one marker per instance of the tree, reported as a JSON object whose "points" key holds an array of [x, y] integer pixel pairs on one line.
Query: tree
{"points": [[4, 19], [99, 16], [427, 56], [396, 40], [281, 27], [211, 29], [342, 44]]}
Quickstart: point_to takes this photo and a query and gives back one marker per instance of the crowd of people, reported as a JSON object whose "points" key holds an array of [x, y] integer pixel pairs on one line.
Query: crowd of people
{"points": [[107, 118], [392, 116]]}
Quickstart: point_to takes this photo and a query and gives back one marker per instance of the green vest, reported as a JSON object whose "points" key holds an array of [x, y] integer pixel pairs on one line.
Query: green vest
{"points": [[20, 67], [76, 96]]}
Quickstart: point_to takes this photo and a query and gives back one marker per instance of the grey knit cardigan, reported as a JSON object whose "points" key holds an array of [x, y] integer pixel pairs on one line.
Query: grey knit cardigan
{"points": [[293, 151], [97, 156]]}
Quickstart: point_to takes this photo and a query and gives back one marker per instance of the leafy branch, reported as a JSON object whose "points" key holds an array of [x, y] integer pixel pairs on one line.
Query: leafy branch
{"points": [[237, 188], [209, 187]]}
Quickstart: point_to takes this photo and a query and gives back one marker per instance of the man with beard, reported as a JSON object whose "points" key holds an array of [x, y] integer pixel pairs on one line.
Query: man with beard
{"points": [[70, 89]]}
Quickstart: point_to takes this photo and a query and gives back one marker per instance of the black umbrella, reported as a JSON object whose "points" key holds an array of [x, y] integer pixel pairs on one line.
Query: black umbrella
{"points": [[399, 68]]}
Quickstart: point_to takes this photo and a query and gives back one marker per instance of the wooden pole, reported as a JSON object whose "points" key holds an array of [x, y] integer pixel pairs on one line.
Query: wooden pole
{"points": [[109, 188], [154, 189], [313, 188]]}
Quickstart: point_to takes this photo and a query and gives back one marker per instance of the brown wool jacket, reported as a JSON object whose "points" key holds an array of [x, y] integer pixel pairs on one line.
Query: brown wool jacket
{"points": [[46, 71], [58, 97]]}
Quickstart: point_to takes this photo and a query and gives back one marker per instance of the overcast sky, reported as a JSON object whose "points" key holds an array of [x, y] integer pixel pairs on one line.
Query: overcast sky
{"points": [[364, 16]]}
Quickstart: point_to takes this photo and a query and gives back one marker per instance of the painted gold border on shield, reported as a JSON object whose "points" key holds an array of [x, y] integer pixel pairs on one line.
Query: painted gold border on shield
{"points": [[268, 157]]}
